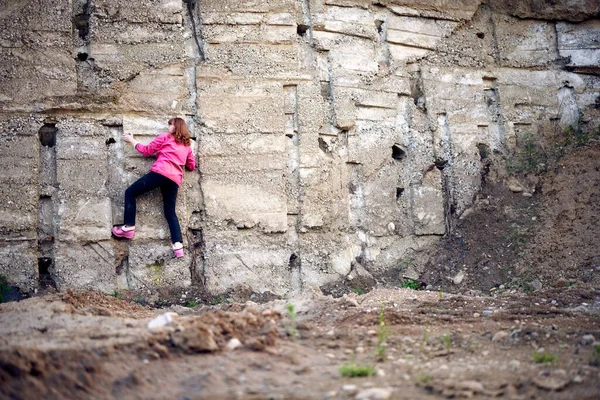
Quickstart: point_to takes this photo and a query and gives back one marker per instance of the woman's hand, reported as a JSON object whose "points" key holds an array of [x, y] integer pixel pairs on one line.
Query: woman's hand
{"points": [[128, 137]]}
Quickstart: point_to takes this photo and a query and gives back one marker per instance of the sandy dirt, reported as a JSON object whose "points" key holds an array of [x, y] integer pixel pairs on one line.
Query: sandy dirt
{"points": [[523, 322], [425, 345]]}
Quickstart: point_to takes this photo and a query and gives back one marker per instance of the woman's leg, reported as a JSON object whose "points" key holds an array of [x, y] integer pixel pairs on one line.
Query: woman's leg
{"points": [[146, 183], [169, 192]]}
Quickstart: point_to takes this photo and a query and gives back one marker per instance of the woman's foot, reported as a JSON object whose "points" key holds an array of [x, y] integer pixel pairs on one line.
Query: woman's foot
{"points": [[178, 249], [124, 231]]}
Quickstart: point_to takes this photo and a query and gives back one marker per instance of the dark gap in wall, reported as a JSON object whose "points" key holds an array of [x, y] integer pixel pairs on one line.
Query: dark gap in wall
{"points": [[399, 193], [47, 135], [82, 21], [325, 90], [110, 141], [324, 146], [301, 29], [294, 261], [351, 187], [480, 35], [397, 152], [82, 56], [441, 164], [484, 150], [379, 25], [197, 32], [45, 278], [122, 265]]}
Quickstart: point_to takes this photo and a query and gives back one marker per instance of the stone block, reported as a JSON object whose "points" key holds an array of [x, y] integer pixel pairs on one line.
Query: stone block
{"points": [[252, 34], [153, 264], [242, 107], [139, 11], [19, 264], [85, 219], [85, 266], [261, 268], [580, 43], [78, 177], [525, 43], [420, 26], [354, 55], [246, 206], [346, 21], [163, 91], [19, 213], [428, 205], [249, 6], [273, 61], [241, 144]]}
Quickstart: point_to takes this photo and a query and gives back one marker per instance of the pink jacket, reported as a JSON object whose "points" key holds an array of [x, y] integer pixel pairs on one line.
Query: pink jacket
{"points": [[171, 157]]}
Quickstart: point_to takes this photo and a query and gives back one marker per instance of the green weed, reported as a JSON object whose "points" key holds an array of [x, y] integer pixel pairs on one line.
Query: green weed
{"points": [[352, 370], [359, 291], [382, 334], [191, 304], [544, 358], [116, 294], [596, 356], [447, 340], [220, 299], [291, 328], [410, 284]]}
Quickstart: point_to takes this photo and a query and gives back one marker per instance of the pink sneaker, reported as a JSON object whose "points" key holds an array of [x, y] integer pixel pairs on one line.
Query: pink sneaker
{"points": [[178, 252], [119, 232]]}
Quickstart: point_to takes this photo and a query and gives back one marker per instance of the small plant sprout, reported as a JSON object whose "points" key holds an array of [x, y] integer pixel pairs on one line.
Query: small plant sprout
{"points": [[410, 284], [544, 358], [191, 304], [291, 327], [441, 294], [447, 339], [116, 294], [382, 334], [351, 370], [359, 291]]}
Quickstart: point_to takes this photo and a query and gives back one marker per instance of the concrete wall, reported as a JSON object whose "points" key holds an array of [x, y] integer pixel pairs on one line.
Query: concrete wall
{"points": [[333, 136]]}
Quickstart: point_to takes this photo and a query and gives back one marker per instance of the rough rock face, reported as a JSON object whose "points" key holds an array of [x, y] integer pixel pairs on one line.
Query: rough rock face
{"points": [[331, 135]]}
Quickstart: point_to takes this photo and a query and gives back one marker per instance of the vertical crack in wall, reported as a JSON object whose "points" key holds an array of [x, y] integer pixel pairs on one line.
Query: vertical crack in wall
{"points": [[294, 195], [307, 27], [444, 162], [196, 246], [82, 14], [384, 55], [193, 16], [116, 184], [496, 128], [496, 50], [416, 87], [195, 235], [326, 81], [47, 224]]}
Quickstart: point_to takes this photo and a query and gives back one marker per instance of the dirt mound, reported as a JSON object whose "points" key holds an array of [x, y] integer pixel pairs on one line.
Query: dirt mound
{"points": [[565, 248], [511, 241], [97, 303]]}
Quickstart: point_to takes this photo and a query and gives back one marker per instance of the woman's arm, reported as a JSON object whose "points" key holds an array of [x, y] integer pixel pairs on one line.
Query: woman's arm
{"points": [[146, 150], [190, 163]]}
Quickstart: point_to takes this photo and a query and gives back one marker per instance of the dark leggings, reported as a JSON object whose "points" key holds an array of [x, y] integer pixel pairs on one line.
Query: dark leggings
{"points": [[168, 188]]}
